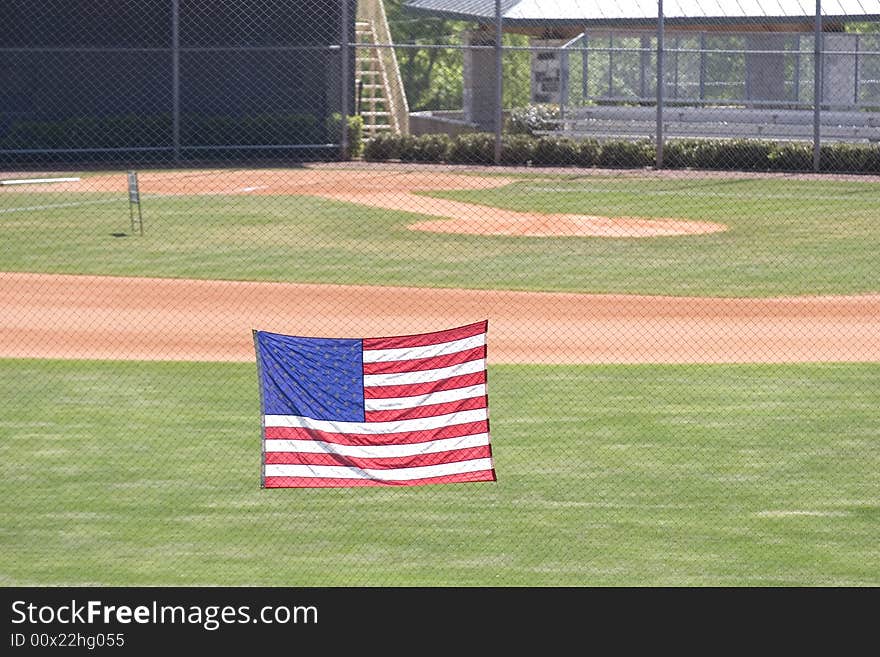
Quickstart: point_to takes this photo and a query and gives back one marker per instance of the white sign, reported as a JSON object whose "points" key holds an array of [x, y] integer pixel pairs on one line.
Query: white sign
{"points": [[546, 72]]}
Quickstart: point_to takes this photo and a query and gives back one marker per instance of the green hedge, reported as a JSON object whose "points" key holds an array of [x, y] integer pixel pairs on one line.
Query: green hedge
{"points": [[721, 154], [426, 148], [518, 148], [355, 132], [384, 147], [472, 148], [626, 154]]}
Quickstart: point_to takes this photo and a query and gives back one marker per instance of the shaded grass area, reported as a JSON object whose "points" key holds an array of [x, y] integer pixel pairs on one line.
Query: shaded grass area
{"points": [[785, 237], [148, 473]]}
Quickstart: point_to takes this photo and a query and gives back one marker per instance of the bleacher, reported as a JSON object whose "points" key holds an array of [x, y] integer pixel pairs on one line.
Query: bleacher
{"points": [[637, 122]]}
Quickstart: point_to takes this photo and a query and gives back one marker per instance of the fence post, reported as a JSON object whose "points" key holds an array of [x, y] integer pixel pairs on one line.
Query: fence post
{"points": [[675, 93], [585, 69], [175, 79], [702, 66], [817, 88], [857, 76], [610, 64], [499, 80], [343, 72], [660, 84], [563, 84]]}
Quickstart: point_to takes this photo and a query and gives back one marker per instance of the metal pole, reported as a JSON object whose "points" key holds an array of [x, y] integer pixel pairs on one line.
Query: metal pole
{"points": [[499, 80], [797, 69], [675, 83], [175, 79], [660, 83], [343, 71], [610, 64], [702, 66], [858, 74], [563, 85], [585, 70], [817, 88], [749, 63]]}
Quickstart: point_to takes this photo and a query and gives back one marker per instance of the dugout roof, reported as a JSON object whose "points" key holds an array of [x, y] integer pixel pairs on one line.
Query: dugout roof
{"points": [[641, 13]]}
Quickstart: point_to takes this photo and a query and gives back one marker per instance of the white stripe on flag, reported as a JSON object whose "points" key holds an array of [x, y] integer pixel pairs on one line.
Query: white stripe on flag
{"points": [[429, 351], [378, 451], [424, 376], [394, 474], [440, 397], [376, 428]]}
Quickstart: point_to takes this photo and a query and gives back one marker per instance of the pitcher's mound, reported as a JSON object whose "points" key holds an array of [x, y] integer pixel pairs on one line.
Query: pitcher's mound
{"points": [[570, 226]]}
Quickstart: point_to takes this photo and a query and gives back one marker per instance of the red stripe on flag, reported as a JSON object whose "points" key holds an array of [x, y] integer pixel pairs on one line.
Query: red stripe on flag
{"points": [[425, 339], [404, 437], [414, 461], [416, 389], [426, 410], [420, 364], [325, 482]]}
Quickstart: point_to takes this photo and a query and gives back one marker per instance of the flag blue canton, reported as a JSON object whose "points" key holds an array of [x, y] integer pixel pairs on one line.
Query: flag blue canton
{"points": [[319, 378]]}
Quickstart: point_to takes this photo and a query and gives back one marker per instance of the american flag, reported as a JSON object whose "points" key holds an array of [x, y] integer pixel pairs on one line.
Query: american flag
{"points": [[406, 410]]}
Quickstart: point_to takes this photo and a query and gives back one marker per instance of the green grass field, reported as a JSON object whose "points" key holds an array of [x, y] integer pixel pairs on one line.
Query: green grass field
{"points": [[148, 473], [785, 238], [128, 473]]}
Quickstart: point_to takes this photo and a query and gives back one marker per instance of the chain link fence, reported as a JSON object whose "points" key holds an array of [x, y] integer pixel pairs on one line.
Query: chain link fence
{"points": [[680, 284], [166, 82]]}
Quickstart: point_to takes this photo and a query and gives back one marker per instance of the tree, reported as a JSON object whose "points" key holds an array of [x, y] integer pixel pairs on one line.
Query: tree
{"points": [[863, 27], [432, 77]]}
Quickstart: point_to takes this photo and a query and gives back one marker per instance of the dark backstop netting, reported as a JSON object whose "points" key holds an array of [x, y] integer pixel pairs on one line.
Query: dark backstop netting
{"points": [[162, 81]]}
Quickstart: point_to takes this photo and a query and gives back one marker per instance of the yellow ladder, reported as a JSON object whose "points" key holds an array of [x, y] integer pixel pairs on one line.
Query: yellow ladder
{"points": [[372, 83]]}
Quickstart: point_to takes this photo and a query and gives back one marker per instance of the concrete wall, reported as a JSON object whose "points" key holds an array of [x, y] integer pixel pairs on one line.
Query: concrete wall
{"points": [[839, 71], [479, 80], [432, 123], [765, 72]]}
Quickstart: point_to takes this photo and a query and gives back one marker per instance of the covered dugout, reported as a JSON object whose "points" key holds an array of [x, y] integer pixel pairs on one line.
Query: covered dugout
{"points": [[166, 81], [744, 54]]}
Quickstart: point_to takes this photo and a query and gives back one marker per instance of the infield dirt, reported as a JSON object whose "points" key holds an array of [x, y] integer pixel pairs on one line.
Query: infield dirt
{"points": [[62, 316], [58, 316]]}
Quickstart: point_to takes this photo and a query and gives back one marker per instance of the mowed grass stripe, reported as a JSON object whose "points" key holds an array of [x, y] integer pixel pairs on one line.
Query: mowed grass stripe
{"points": [[148, 473], [785, 237]]}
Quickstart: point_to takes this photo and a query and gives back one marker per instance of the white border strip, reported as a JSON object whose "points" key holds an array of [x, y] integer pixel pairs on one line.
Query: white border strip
{"points": [[429, 351], [378, 451], [377, 428], [440, 397], [424, 376], [392, 474]]}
